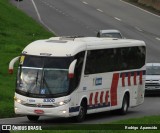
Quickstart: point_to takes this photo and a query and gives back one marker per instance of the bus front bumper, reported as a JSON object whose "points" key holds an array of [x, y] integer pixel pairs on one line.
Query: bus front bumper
{"points": [[60, 111]]}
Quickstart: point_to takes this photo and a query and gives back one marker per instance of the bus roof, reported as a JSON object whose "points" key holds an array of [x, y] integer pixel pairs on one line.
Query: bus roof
{"points": [[69, 46]]}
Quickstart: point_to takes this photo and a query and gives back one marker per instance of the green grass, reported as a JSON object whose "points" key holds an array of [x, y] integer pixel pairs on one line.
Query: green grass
{"points": [[16, 31], [143, 120], [89, 131], [152, 120]]}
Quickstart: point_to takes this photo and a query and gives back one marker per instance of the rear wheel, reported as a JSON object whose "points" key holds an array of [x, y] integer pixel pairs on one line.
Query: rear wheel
{"points": [[82, 112], [125, 105], [32, 117]]}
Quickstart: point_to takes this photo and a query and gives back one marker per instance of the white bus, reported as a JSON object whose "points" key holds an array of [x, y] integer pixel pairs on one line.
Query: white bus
{"points": [[72, 77]]}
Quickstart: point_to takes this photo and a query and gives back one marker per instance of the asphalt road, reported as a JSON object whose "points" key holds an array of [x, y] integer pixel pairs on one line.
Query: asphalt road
{"points": [[85, 18]]}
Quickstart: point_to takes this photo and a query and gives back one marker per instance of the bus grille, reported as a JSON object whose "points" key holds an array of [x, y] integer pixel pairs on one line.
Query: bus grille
{"points": [[152, 85], [39, 105]]}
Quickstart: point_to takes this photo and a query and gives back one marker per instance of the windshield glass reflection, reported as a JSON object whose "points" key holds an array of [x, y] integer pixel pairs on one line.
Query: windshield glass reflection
{"points": [[43, 81], [153, 70]]}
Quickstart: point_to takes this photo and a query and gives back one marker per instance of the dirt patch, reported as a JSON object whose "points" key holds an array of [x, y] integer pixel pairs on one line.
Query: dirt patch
{"points": [[143, 6]]}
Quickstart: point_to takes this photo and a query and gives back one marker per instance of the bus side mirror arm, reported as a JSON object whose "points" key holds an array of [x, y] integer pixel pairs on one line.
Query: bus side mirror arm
{"points": [[71, 69], [11, 64]]}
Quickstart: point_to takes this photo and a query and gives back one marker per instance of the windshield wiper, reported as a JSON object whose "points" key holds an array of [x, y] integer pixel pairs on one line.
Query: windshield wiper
{"points": [[37, 77]]}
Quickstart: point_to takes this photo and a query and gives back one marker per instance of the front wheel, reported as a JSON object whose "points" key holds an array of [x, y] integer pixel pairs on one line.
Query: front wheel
{"points": [[32, 117], [82, 112]]}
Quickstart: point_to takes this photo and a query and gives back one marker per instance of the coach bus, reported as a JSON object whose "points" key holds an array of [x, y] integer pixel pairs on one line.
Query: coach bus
{"points": [[75, 76]]}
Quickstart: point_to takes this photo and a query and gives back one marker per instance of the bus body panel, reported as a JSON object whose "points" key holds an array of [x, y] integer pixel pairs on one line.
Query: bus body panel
{"points": [[103, 90]]}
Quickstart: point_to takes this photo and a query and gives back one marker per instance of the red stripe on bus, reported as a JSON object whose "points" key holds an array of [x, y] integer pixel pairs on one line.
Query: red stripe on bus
{"points": [[123, 79], [101, 97], [135, 78], [140, 78], [129, 79], [106, 97], [96, 98], [90, 99], [114, 86]]}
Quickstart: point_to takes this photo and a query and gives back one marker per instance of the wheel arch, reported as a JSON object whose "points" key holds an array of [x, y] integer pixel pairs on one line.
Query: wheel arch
{"points": [[84, 98], [82, 109]]}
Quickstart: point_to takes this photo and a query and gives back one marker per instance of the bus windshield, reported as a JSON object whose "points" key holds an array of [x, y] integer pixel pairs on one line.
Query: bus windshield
{"points": [[47, 77]]}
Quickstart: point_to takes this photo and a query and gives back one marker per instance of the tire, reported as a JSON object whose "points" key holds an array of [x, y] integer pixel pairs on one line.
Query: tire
{"points": [[82, 112], [125, 105], [32, 117]]}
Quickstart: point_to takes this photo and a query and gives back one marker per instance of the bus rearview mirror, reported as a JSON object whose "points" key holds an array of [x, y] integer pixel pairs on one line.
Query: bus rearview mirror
{"points": [[11, 64], [71, 69]]}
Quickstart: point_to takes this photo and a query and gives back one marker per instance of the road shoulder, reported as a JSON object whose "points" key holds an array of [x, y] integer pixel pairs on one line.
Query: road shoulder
{"points": [[144, 7]]}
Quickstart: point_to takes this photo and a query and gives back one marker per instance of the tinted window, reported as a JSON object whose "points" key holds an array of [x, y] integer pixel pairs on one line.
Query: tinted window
{"points": [[47, 62], [112, 35], [116, 59]]}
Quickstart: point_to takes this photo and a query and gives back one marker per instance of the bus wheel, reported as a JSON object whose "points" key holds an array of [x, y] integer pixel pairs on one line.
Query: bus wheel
{"points": [[125, 105], [32, 117], [82, 112]]}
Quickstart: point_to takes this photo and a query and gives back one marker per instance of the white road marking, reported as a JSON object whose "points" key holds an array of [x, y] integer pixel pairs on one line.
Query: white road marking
{"points": [[59, 11], [51, 6], [35, 7], [118, 19], [39, 17], [138, 29], [84, 2], [141, 9], [99, 10], [158, 38]]}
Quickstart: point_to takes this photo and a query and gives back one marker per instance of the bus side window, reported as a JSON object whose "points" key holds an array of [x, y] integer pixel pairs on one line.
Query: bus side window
{"points": [[91, 60], [131, 57]]}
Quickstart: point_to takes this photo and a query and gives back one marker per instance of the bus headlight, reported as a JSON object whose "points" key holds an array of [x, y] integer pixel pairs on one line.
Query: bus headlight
{"points": [[63, 102], [18, 100]]}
